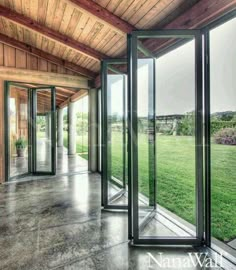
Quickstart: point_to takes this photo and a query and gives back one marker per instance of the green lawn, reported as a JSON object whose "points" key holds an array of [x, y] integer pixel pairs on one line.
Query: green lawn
{"points": [[176, 179], [81, 145]]}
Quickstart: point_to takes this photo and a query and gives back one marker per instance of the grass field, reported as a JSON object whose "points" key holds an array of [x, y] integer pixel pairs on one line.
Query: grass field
{"points": [[176, 179]]}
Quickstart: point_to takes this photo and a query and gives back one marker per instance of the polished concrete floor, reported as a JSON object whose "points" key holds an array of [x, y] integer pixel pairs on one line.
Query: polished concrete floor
{"points": [[57, 223], [65, 164]]}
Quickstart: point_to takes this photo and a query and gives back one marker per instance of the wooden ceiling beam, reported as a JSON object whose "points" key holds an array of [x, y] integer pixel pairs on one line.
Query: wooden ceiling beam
{"points": [[46, 56], [102, 13], [110, 18], [50, 33]]}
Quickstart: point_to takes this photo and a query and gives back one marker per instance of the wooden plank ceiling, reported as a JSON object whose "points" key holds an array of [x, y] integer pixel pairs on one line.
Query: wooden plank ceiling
{"points": [[70, 19], [83, 32]]}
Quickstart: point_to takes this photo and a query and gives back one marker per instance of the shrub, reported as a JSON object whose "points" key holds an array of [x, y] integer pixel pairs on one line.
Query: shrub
{"points": [[186, 126], [219, 125], [226, 136]]}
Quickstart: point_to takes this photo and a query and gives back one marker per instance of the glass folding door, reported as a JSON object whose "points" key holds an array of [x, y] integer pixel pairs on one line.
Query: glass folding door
{"points": [[220, 135], [114, 147], [17, 131], [44, 141], [166, 138], [30, 130]]}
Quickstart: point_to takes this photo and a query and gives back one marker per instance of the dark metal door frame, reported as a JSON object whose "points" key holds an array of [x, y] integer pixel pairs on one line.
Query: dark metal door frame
{"points": [[133, 126], [31, 112], [106, 151], [53, 131]]}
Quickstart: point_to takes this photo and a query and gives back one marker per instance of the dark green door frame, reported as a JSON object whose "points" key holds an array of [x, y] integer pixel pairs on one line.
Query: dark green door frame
{"points": [[31, 117]]}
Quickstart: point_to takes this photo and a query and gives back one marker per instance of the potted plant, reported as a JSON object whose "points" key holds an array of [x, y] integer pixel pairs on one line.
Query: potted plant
{"points": [[20, 146]]}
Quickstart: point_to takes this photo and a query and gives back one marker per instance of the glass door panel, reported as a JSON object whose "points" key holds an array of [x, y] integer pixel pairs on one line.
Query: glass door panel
{"points": [[44, 131], [146, 142], [114, 136], [18, 98], [166, 128], [222, 137]]}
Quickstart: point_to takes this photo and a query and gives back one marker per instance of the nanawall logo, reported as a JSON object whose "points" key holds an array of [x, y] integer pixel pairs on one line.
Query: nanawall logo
{"points": [[191, 260]]}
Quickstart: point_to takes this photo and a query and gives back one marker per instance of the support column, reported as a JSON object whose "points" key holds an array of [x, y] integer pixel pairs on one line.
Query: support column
{"points": [[93, 130], [71, 129], [60, 128], [48, 125]]}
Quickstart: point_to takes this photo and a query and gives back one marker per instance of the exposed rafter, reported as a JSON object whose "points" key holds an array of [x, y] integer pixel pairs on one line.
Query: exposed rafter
{"points": [[44, 55], [102, 13], [110, 18], [50, 33]]}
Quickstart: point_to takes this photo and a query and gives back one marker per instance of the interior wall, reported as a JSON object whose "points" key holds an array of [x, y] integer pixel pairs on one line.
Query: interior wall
{"points": [[14, 58], [11, 57]]}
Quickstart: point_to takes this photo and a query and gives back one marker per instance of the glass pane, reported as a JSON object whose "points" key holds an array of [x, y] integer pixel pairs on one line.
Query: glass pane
{"points": [[82, 127], [175, 140], [43, 130], [223, 133], [18, 130], [116, 92], [65, 127], [167, 201], [145, 140]]}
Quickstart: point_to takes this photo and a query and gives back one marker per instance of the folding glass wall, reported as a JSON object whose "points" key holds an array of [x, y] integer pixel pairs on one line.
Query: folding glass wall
{"points": [[114, 137], [44, 118], [222, 67], [166, 134], [18, 131], [29, 131]]}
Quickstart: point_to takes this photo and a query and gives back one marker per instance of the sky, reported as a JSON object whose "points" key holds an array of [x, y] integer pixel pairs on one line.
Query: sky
{"points": [[175, 77]]}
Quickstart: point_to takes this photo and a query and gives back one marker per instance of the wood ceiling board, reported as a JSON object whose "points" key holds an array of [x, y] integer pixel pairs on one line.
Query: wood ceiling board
{"points": [[113, 5], [50, 12], [162, 10], [66, 18], [95, 32], [58, 15], [95, 67], [114, 43], [34, 9], [102, 3], [122, 7], [142, 9], [135, 7], [97, 13], [20, 31], [42, 10], [36, 27], [72, 24]]}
